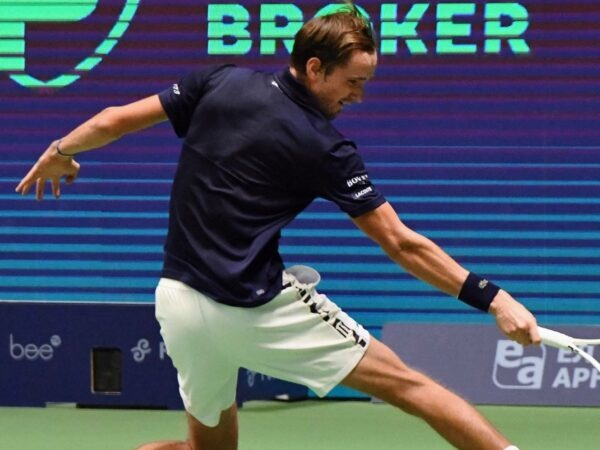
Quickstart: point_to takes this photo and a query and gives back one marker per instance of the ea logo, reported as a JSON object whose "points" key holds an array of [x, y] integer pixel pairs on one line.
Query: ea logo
{"points": [[33, 352], [14, 18], [518, 368]]}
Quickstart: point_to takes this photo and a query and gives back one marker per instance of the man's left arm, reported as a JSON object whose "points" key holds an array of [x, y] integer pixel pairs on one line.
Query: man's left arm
{"points": [[105, 127], [425, 260]]}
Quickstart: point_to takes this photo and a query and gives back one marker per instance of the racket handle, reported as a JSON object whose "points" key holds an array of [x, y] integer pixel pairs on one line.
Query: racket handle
{"points": [[554, 338]]}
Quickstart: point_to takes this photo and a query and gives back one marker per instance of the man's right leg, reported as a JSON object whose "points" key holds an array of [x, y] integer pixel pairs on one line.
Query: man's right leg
{"points": [[383, 375], [200, 437]]}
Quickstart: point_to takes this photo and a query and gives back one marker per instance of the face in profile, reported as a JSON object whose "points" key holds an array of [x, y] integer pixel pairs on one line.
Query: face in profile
{"points": [[343, 85]]}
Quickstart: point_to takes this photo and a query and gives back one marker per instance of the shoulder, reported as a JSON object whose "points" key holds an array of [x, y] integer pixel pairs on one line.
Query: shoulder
{"points": [[232, 74], [321, 134], [208, 74]]}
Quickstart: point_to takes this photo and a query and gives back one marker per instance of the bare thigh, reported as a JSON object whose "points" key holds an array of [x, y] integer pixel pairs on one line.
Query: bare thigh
{"points": [[382, 374]]}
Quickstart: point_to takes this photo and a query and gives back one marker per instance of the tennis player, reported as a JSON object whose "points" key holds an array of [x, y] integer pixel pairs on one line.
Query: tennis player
{"points": [[257, 150]]}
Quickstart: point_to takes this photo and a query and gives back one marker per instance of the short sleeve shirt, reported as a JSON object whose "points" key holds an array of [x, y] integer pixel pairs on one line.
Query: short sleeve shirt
{"points": [[256, 152]]}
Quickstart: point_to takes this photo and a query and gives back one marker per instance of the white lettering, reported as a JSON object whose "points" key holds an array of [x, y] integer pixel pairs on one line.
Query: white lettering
{"points": [[566, 356], [32, 352], [580, 375], [162, 350], [577, 378], [362, 193], [356, 180], [562, 379], [594, 379]]}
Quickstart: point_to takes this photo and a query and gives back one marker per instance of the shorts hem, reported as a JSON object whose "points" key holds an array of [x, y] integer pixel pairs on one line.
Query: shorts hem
{"points": [[210, 421], [341, 374]]}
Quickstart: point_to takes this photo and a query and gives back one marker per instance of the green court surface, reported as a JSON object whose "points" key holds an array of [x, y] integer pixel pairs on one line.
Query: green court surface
{"points": [[306, 425]]}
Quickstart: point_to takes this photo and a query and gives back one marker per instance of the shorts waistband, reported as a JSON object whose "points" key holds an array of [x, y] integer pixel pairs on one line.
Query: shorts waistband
{"points": [[304, 276], [169, 282]]}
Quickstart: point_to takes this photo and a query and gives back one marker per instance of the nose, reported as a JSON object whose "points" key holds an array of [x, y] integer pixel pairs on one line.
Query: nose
{"points": [[360, 93], [357, 95]]}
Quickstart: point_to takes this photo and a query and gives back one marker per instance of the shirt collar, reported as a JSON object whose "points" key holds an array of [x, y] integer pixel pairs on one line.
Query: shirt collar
{"points": [[296, 91]]}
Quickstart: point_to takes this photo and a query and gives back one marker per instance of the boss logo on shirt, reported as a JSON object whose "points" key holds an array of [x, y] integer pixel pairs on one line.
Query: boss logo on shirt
{"points": [[361, 179]]}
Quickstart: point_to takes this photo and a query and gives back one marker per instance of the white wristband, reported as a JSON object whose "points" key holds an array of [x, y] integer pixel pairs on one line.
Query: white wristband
{"points": [[511, 447]]}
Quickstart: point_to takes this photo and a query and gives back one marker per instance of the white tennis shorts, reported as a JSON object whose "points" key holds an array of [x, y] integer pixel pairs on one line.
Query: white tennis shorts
{"points": [[300, 336]]}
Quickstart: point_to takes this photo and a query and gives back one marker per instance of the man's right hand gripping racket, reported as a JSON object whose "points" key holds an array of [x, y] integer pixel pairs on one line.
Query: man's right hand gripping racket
{"points": [[560, 340]]}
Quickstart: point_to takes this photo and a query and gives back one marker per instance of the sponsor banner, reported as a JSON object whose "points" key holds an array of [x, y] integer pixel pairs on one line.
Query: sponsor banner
{"points": [[479, 363], [98, 355]]}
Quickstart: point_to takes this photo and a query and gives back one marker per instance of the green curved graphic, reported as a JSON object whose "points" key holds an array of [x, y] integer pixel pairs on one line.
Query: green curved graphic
{"points": [[15, 13]]}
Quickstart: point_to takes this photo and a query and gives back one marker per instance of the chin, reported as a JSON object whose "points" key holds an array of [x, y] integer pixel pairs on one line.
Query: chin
{"points": [[330, 113], [333, 114]]}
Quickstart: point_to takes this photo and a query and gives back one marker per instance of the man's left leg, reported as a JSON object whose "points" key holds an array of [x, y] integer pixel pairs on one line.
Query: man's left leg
{"points": [[201, 437]]}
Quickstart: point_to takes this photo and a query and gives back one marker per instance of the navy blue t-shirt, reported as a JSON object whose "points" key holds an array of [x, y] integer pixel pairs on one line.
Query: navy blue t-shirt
{"points": [[256, 152]]}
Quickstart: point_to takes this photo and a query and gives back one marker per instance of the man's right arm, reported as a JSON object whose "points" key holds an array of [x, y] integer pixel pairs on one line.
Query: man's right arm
{"points": [[105, 127], [428, 262]]}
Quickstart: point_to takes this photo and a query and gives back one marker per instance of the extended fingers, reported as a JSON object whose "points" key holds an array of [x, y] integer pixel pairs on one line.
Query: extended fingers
{"points": [[39, 188], [39, 174], [56, 187], [25, 184]]}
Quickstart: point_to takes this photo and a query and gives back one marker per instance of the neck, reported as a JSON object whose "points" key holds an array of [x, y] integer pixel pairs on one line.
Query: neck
{"points": [[297, 75]]}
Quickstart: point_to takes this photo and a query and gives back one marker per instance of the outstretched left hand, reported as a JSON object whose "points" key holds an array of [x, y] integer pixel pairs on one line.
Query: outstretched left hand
{"points": [[50, 166]]}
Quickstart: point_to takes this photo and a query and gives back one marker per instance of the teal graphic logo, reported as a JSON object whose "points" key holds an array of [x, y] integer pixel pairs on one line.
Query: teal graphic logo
{"points": [[15, 14]]}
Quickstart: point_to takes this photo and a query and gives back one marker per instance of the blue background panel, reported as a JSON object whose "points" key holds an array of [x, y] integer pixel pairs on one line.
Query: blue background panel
{"points": [[495, 156]]}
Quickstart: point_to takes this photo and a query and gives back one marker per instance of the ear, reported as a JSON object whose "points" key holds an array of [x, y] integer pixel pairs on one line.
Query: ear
{"points": [[314, 68]]}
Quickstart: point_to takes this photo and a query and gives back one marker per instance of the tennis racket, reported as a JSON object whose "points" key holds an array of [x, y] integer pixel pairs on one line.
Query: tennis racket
{"points": [[560, 340]]}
